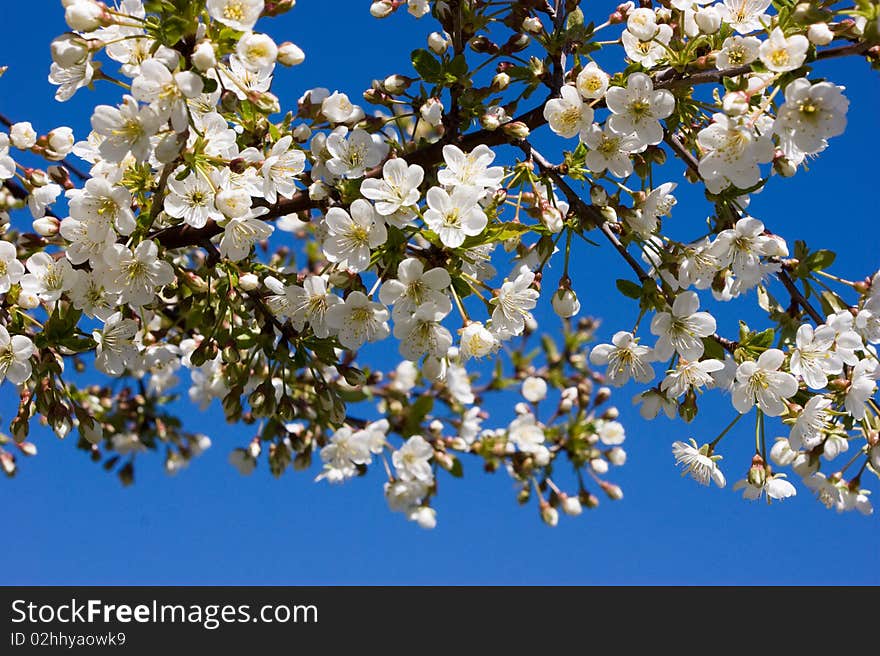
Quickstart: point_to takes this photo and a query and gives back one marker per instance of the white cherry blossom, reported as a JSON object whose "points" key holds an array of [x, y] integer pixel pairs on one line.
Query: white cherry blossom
{"points": [[351, 236], [638, 108], [682, 328], [624, 358], [761, 382]]}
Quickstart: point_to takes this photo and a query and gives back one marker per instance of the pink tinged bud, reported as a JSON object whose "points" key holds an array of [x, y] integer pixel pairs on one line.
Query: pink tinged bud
{"points": [[28, 448], [549, 514], [47, 226], [7, 462], [613, 491], [516, 130]]}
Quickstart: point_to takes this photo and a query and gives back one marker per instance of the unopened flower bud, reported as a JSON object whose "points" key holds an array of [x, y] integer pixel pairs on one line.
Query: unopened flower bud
{"points": [[47, 226], [381, 8], [708, 19], [59, 143], [613, 491], [425, 517], [532, 24], [22, 135], [516, 43], [249, 282], [302, 132], [290, 54], [83, 16], [490, 121], [617, 456], [565, 302], [318, 191], [549, 514], [757, 475], [434, 368], [68, 50], [482, 44], [516, 130], [395, 84], [570, 505], [735, 103], [437, 43], [203, 57], [598, 195], [820, 34], [93, 434], [500, 82], [602, 395], [7, 463], [265, 101]]}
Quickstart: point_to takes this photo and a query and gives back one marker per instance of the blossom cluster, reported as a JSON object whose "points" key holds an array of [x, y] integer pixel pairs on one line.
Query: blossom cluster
{"points": [[281, 260]]}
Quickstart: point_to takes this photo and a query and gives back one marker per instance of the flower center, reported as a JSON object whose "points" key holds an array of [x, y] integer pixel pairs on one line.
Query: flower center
{"points": [[780, 57], [639, 109], [570, 117], [736, 55], [609, 146], [593, 83], [234, 10], [107, 206], [359, 235], [361, 315]]}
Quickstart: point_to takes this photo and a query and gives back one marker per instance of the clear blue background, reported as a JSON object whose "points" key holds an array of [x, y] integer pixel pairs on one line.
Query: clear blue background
{"points": [[66, 521]]}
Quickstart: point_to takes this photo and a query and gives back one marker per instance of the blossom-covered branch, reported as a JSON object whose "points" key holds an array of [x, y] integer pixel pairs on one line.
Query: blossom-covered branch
{"points": [[428, 226]]}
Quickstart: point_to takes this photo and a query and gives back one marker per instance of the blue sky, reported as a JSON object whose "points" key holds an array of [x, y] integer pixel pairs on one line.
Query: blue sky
{"points": [[69, 522]]}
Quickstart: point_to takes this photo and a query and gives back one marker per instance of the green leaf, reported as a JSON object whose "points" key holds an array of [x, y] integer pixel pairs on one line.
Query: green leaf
{"points": [[427, 66], [713, 349], [820, 260], [629, 288], [457, 469], [457, 67]]}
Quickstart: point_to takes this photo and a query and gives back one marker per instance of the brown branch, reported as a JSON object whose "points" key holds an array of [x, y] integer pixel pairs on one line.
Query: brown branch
{"points": [[5, 120], [782, 275], [427, 156], [797, 297], [575, 201], [672, 78]]}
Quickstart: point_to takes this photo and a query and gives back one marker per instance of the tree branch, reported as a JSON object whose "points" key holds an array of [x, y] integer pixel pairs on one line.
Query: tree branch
{"points": [[427, 156]]}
